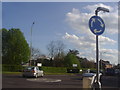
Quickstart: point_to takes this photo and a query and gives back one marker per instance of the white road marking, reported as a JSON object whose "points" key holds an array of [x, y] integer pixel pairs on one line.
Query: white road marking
{"points": [[44, 80]]}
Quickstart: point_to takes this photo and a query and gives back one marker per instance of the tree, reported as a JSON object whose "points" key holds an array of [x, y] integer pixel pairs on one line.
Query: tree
{"points": [[4, 42], [71, 59], [56, 49], [56, 52], [51, 49], [35, 53], [75, 52], [85, 63], [15, 48], [60, 48]]}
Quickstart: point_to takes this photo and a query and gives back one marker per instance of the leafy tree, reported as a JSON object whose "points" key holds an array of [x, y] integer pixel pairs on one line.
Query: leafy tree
{"points": [[71, 59], [75, 52], [15, 48], [4, 42]]}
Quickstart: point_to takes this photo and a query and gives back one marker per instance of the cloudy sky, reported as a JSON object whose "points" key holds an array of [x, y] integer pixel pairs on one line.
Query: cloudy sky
{"points": [[65, 21]]}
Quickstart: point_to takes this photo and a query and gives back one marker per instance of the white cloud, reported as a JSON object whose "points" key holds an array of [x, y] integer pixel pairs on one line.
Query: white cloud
{"points": [[105, 40], [80, 42], [109, 54], [87, 42], [78, 21], [92, 8], [110, 51]]}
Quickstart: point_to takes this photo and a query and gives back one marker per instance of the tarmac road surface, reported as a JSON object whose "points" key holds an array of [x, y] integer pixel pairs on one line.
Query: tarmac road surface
{"points": [[53, 81]]}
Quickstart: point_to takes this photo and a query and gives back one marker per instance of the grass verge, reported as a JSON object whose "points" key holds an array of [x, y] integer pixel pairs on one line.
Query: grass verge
{"points": [[11, 72]]}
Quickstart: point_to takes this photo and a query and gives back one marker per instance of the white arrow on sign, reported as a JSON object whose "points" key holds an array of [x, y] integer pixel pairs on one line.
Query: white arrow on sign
{"points": [[93, 20], [101, 24], [97, 31]]}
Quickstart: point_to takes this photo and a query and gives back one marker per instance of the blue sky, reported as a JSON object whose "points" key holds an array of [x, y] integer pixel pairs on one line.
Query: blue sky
{"points": [[63, 21]]}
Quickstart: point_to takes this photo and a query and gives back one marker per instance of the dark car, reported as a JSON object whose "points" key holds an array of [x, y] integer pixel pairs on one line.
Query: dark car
{"points": [[110, 72]]}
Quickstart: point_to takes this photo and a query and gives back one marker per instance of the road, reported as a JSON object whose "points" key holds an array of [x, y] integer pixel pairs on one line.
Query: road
{"points": [[53, 81]]}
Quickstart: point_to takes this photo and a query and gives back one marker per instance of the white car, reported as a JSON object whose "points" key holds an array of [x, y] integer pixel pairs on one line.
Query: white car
{"points": [[32, 71]]}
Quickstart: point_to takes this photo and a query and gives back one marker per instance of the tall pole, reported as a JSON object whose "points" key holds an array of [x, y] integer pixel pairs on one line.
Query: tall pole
{"points": [[97, 59], [97, 54], [31, 43], [94, 24], [101, 61]]}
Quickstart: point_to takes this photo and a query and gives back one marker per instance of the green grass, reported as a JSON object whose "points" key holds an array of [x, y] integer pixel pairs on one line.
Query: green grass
{"points": [[54, 69], [47, 71], [5, 72]]}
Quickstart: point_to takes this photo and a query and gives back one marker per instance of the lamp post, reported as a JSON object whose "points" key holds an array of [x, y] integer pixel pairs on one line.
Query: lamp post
{"points": [[97, 48], [31, 43]]}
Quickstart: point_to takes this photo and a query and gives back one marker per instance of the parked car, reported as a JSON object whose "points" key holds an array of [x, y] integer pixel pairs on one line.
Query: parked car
{"points": [[110, 72], [32, 71], [91, 73], [74, 70], [117, 72]]}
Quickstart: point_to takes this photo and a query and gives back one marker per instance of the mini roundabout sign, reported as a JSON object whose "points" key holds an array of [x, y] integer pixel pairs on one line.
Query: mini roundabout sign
{"points": [[96, 25]]}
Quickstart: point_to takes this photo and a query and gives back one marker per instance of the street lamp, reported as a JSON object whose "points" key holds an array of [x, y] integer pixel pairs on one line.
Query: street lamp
{"points": [[97, 50], [31, 43], [101, 9]]}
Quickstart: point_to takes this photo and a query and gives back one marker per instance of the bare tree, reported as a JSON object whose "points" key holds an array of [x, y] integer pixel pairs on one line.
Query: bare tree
{"points": [[55, 48], [51, 49], [35, 53], [60, 46]]}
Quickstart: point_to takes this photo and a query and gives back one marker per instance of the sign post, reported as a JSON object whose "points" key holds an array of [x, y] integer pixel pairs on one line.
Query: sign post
{"points": [[97, 27]]}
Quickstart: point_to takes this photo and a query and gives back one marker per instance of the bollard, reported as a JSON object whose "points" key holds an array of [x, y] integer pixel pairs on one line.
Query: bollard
{"points": [[88, 80]]}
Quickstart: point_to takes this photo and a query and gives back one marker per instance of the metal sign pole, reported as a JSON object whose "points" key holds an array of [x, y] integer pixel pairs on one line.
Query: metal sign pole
{"points": [[97, 59], [97, 63], [97, 26]]}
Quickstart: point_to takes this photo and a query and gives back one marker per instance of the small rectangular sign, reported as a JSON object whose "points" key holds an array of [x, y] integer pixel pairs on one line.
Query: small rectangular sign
{"points": [[74, 65], [39, 64]]}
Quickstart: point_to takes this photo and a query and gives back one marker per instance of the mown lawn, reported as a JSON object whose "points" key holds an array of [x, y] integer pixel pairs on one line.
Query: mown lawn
{"points": [[47, 70], [54, 69]]}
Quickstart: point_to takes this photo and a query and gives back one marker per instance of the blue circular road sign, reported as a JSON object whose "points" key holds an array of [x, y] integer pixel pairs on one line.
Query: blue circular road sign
{"points": [[96, 25]]}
